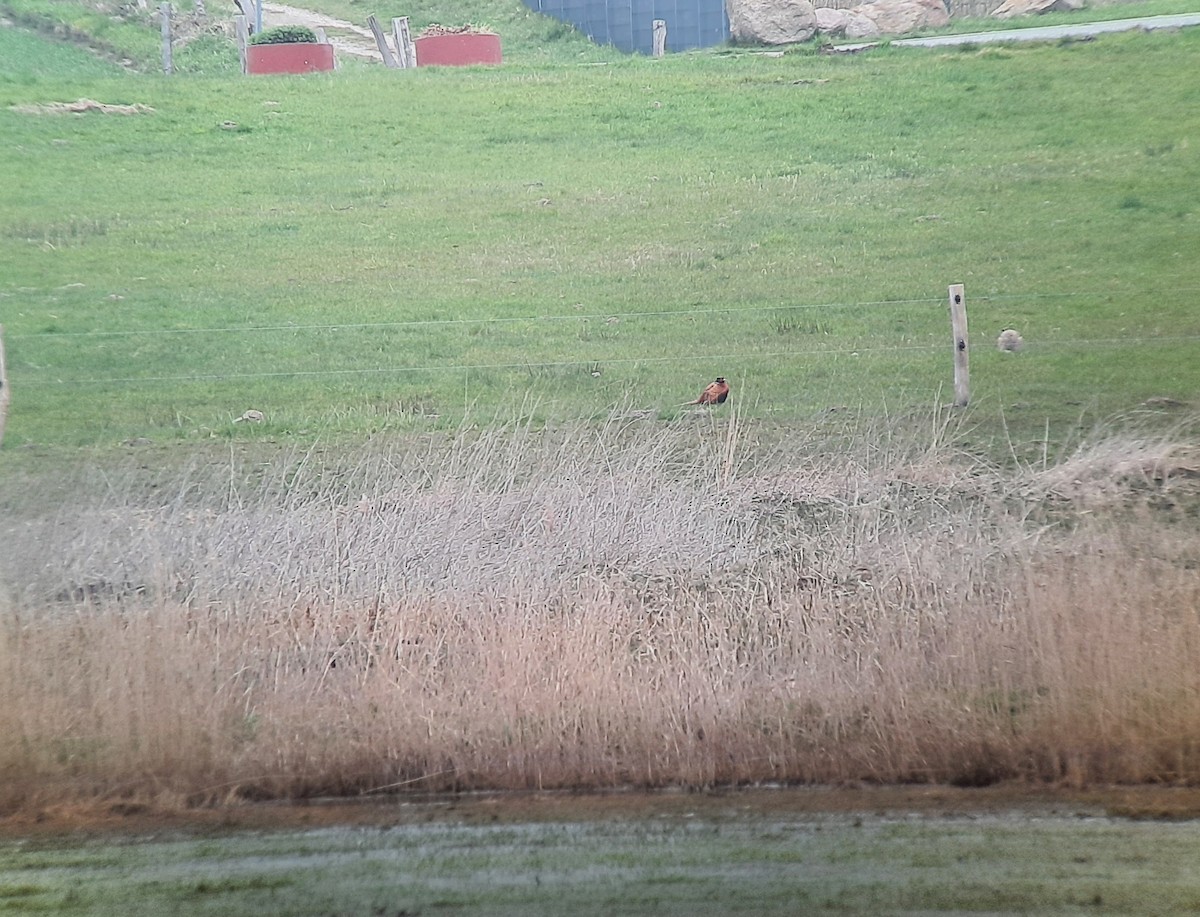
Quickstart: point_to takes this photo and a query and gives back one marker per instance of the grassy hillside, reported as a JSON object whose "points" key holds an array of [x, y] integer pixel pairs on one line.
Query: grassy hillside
{"points": [[131, 34], [27, 57], [386, 251]]}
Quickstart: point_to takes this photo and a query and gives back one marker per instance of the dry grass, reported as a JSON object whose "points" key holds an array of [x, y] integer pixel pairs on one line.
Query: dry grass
{"points": [[595, 607]]}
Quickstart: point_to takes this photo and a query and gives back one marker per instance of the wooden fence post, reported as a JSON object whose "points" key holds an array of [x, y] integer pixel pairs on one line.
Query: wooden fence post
{"points": [[323, 38], [660, 37], [241, 27], [4, 394], [381, 40], [958, 323], [165, 12], [406, 52], [252, 10]]}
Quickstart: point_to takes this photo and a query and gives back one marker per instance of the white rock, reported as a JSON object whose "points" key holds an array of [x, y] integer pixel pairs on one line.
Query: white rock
{"points": [[1009, 340], [1011, 8], [771, 22], [896, 17]]}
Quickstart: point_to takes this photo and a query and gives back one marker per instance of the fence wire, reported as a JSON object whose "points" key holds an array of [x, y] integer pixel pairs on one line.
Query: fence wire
{"points": [[978, 340]]}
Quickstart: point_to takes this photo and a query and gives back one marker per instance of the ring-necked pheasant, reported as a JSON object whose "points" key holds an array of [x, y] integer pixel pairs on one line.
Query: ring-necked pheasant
{"points": [[715, 393]]}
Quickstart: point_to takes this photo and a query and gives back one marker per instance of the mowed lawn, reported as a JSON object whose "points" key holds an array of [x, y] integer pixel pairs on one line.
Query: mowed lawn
{"points": [[374, 251]]}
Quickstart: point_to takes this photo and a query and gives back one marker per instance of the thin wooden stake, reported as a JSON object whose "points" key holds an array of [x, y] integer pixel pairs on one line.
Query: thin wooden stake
{"points": [[381, 40], [4, 393], [165, 12], [958, 323], [660, 37]]}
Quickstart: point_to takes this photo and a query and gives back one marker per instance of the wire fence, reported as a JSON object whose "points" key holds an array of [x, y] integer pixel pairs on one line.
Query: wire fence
{"points": [[978, 339]]}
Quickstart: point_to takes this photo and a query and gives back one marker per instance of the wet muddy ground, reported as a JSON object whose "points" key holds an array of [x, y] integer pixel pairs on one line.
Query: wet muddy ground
{"points": [[783, 851], [1013, 800]]}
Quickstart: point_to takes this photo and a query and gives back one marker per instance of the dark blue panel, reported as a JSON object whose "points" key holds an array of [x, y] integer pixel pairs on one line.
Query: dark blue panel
{"points": [[596, 14], [629, 24]]}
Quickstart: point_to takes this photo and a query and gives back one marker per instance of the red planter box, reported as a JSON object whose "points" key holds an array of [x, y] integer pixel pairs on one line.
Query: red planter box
{"points": [[300, 57], [458, 49]]}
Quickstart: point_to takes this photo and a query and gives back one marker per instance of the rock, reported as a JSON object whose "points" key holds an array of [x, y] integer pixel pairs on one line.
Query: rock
{"points": [[859, 26], [1011, 8], [832, 22], [895, 17], [1162, 401], [1009, 340], [771, 22]]}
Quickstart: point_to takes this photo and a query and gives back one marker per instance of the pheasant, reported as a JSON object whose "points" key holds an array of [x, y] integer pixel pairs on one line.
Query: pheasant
{"points": [[715, 393]]}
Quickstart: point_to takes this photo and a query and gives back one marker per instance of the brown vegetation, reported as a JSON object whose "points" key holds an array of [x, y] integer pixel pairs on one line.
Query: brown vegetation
{"points": [[631, 605]]}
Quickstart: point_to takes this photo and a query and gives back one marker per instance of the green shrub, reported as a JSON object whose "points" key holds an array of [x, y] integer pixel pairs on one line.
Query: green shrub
{"points": [[284, 35]]}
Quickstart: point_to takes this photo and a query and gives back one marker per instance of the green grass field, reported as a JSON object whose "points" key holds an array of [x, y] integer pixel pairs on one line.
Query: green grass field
{"points": [[713, 860], [380, 252]]}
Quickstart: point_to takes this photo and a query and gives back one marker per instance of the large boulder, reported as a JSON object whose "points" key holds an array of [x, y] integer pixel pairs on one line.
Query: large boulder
{"points": [[771, 22], [860, 26], [832, 22], [895, 17], [1011, 8]]}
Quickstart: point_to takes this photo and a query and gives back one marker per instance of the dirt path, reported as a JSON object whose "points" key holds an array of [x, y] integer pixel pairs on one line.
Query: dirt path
{"points": [[346, 37], [1056, 32]]}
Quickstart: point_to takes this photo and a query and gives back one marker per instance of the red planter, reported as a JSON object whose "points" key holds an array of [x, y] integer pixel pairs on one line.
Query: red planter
{"points": [[458, 49], [300, 57]]}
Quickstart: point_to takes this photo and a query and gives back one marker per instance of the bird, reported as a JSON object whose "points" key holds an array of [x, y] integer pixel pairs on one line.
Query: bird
{"points": [[252, 416], [715, 393]]}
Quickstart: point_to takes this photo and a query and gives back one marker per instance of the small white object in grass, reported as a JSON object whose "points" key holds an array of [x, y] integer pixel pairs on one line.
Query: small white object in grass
{"points": [[252, 416], [1010, 340]]}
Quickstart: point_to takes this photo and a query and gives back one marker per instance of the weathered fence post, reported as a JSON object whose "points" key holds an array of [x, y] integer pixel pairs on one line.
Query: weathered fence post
{"points": [[660, 37], [406, 52], [381, 40], [323, 37], [3, 388], [958, 323], [165, 12], [252, 10], [241, 28]]}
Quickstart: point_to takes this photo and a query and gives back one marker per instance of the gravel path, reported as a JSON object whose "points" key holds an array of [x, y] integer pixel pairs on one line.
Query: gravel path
{"points": [[1043, 33], [346, 37]]}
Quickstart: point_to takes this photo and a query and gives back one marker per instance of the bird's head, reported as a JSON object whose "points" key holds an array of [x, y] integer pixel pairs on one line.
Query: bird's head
{"points": [[721, 380]]}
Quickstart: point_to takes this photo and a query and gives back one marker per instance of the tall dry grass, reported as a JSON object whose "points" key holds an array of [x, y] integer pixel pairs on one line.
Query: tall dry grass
{"points": [[629, 604]]}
